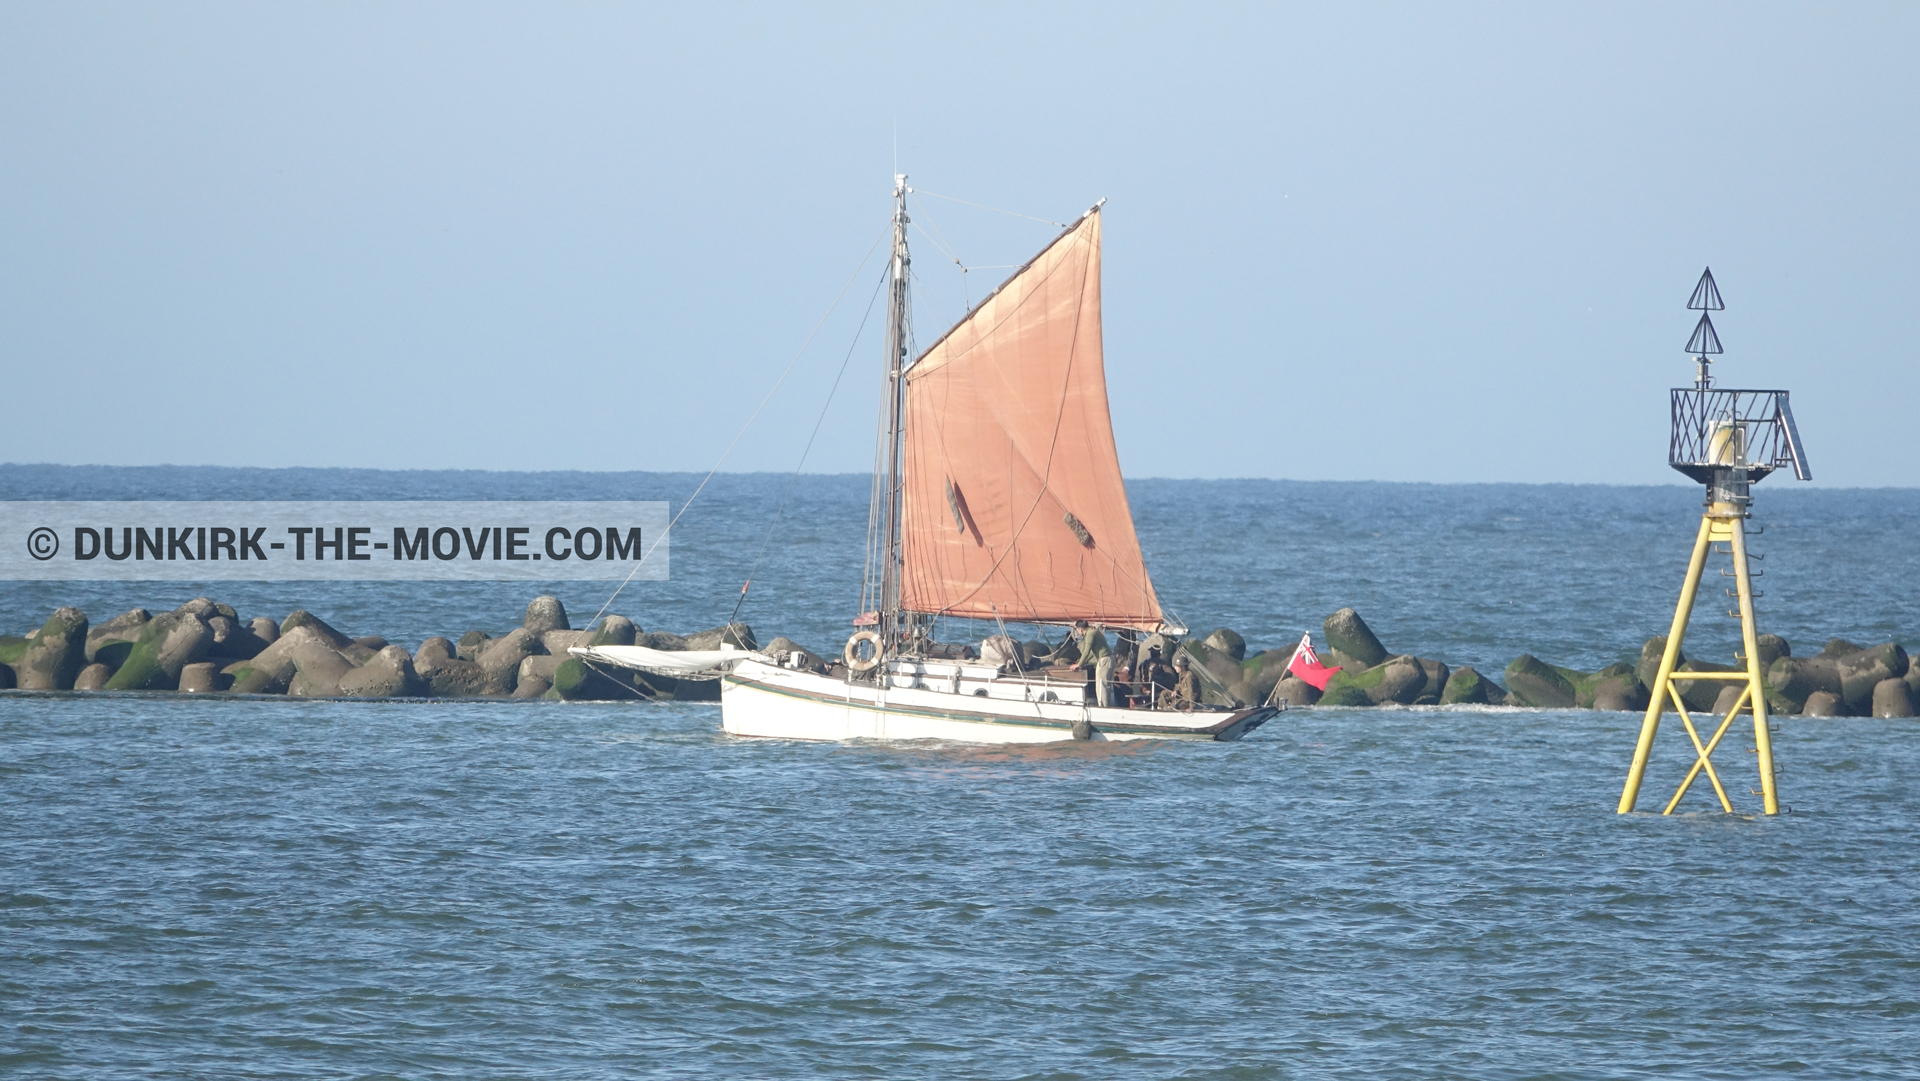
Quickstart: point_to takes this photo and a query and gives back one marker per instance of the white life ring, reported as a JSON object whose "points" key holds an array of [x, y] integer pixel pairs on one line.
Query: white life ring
{"points": [[852, 652]]}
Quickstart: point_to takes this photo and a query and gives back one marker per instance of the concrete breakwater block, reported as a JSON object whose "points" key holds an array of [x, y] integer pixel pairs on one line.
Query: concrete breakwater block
{"points": [[206, 647], [1539, 684], [387, 674], [91, 678], [1825, 704], [50, 658], [1892, 698], [167, 643], [1467, 687], [1864, 670], [1351, 641], [445, 673], [545, 614], [201, 677]]}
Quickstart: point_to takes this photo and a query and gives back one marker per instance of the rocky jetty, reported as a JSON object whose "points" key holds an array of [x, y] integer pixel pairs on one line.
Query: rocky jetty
{"points": [[204, 647], [1842, 680]]}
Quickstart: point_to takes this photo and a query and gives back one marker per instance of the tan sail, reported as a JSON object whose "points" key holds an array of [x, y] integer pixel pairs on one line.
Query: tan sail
{"points": [[1013, 504]]}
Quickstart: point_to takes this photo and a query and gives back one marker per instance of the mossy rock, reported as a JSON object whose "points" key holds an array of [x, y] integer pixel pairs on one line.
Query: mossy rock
{"points": [[201, 608], [1262, 672], [1349, 636], [1837, 648], [1614, 688], [1891, 698], [574, 680], [1228, 641], [124, 627], [1398, 679], [54, 655], [356, 651], [1792, 680], [614, 631], [1825, 704], [170, 642], [1772, 647], [1585, 683], [1861, 672], [1343, 696], [141, 671], [1538, 684], [545, 613], [737, 635], [571, 679], [666, 641], [1648, 668], [1218, 672], [1294, 691], [12, 648], [1350, 688], [300, 617], [471, 645], [113, 654], [1402, 680], [1467, 687]]}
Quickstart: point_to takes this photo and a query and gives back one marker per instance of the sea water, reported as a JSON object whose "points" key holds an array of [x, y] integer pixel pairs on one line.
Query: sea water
{"points": [[197, 887]]}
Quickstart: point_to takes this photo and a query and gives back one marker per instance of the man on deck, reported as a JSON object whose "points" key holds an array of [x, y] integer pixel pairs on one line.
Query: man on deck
{"points": [[1155, 678], [1185, 695], [1096, 660]]}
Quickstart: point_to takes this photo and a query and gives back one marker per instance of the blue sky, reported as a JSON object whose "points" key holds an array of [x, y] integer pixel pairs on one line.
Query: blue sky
{"points": [[1394, 242]]}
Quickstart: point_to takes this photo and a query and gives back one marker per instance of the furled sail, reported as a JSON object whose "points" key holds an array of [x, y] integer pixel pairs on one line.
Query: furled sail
{"points": [[1013, 504]]}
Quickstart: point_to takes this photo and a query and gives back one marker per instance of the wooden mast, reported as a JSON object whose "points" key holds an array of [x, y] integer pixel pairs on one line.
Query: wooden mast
{"points": [[889, 469]]}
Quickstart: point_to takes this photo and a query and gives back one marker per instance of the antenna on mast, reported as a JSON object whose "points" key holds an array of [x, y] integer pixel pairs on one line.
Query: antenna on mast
{"points": [[1704, 343]]}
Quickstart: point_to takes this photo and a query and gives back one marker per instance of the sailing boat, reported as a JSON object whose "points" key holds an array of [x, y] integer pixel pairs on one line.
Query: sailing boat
{"points": [[997, 497]]}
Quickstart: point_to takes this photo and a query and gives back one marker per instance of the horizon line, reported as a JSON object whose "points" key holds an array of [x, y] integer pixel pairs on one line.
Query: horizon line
{"points": [[1677, 483]]}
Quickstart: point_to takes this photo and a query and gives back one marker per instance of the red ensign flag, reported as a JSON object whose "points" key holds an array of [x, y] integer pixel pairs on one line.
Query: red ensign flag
{"points": [[1307, 666]]}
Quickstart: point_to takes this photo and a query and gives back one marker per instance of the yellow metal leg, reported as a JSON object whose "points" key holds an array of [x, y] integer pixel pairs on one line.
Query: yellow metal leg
{"points": [[1701, 752], [1723, 521], [1757, 688], [1706, 754], [1657, 700]]}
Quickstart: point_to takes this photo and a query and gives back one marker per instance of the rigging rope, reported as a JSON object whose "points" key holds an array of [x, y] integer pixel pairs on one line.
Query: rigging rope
{"points": [[939, 241], [983, 206], [743, 428], [781, 509]]}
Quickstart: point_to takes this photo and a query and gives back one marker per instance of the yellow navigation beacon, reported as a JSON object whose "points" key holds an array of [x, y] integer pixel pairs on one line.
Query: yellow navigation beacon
{"points": [[1727, 440]]}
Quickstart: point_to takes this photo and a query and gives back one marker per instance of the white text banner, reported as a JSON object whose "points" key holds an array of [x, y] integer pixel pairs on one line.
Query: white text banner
{"points": [[365, 540]]}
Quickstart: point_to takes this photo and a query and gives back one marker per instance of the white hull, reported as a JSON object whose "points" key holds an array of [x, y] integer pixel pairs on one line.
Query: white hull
{"points": [[758, 699]]}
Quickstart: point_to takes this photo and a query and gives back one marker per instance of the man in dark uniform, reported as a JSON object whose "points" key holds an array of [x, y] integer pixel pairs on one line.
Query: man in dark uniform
{"points": [[1186, 686], [1123, 688], [1155, 679]]}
